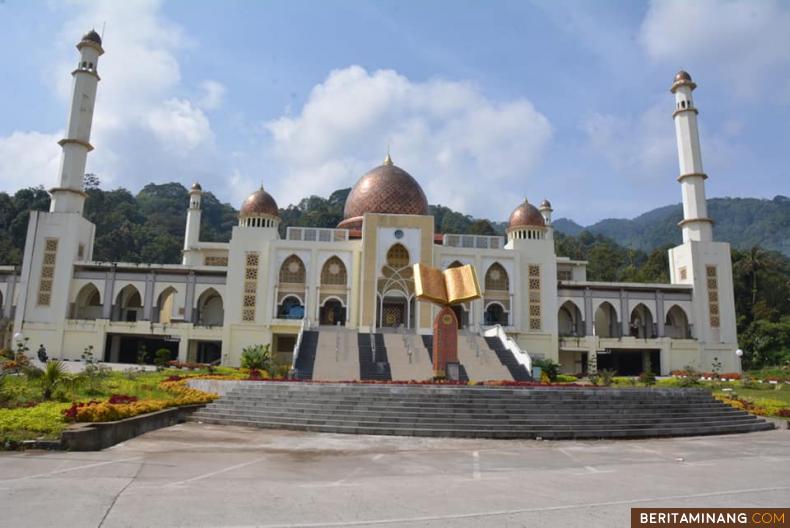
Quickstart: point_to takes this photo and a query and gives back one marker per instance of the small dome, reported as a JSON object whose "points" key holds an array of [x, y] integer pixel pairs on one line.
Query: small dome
{"points": [[92, 36], [196, 187], [682, 75], [545, 204], [524, 215], [385, 189], [259, 203]]}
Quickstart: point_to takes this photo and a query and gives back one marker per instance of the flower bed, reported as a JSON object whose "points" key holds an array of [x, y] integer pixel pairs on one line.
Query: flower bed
{"points": [[119, 407], [760, 407]]}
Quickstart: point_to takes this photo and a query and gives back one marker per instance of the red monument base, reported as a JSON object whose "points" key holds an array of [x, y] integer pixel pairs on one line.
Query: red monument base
{"points": [[445, 341]]}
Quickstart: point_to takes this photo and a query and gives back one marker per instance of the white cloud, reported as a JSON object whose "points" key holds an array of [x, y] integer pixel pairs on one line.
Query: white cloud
{"points": [[179, 126], [213, 95], [29, 159], [746, 43], [643, 145], [447, 134], [144, 129]]}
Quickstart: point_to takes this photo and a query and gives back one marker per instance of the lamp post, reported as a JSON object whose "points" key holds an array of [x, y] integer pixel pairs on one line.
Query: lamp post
{"points": [[739, 355]]}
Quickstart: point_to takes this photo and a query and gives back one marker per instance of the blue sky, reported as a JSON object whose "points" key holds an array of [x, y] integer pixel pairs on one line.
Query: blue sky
{"points": [[483, 102]]}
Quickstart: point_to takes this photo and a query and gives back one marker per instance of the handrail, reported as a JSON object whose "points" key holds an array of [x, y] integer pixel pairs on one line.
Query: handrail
{"points": [[522, 356], [298, 344], [372, 345]]}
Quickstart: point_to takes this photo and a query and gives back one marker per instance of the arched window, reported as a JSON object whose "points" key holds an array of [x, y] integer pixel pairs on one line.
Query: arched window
{"points": [[496, 278], [128, 305], [677, 325], [164, 305], [333, 273], [455, 264], [570, 323], [292, 271], [210, 310], [88, 304], [495, 314], [398, 256], [291, 308], [641, 324], [606, 321]]}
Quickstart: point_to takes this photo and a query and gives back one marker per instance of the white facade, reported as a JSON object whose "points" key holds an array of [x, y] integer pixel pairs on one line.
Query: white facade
{"points": [[261, 288]]}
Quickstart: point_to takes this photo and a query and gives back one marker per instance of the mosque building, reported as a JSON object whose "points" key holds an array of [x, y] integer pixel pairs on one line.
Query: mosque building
{"points": [[339, 304]]}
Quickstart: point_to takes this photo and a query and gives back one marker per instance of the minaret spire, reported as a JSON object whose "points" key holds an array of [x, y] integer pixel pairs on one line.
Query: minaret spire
{"points": [[696, 225], [68, 196]]}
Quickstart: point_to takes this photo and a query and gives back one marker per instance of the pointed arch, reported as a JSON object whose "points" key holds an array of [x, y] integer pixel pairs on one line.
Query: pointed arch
{"points": [[677, 323], [569, 320], [605, 322], [641, 322], [128, 304], [455, 264], [88, 303], [210, 308], [398, 256], [293, 271], [497, 278], [333, 273], [164, 305]]}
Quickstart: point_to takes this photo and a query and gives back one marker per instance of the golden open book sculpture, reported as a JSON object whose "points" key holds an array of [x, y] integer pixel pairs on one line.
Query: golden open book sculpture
{"points": [[445, 288]]}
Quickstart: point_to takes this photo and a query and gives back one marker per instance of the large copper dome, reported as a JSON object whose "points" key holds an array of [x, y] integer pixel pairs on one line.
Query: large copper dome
{"points": [[259, 203], [385, 189], [524, 215]]}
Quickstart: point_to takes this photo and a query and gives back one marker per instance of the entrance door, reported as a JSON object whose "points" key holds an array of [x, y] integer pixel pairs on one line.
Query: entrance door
{"points": [[332, 313], [393, 313]]}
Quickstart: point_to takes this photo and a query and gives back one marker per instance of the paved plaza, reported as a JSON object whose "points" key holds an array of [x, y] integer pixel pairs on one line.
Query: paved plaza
{"points": [[214, 476]]}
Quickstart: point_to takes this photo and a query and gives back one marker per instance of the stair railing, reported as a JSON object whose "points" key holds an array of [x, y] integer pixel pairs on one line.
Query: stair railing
{"points": [[337, 343], [372, 346], [521, 355], [298, 344]]}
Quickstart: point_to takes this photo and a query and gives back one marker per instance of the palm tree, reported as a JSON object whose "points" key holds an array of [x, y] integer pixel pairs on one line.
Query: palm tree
{"points": [[751, 264], [53, 375]]}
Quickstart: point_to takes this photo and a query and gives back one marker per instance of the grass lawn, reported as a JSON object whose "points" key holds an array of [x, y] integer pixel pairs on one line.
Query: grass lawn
{"points": [[25, 415]]}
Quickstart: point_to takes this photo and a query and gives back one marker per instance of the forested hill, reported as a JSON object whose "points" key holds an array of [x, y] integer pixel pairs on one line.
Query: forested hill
{"points": [[743, 222], [149, 226]]}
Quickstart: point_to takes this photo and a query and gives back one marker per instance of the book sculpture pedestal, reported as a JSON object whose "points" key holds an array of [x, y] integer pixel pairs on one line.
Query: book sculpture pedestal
{"points": [[445, 288]]}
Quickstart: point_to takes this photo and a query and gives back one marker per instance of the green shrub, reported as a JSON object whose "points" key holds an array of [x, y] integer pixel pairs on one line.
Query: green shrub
{"points": [[648, 377], [607, 376], [256, 357], [161, 357], [566, 378], [25, 423], [53, 375], [551, 368]]}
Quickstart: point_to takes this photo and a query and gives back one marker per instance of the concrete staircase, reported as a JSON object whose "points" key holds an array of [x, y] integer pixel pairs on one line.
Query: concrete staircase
{"points": [[477, 412], [373, 362], [517, 371], [480, 362], [337, 355], [407, 357], [305, 361]]}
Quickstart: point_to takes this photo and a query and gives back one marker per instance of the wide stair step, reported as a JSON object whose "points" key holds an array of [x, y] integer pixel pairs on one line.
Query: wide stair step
{"points": [[305, 361], [477, 412], [373, 365]]}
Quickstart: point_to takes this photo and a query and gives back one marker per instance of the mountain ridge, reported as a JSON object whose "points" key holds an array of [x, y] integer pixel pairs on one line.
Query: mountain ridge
{"points": [[743, 222]]}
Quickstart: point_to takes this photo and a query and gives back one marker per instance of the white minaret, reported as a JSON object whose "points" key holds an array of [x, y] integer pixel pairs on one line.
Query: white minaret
{"points": [[545, 211], [192, 232], [696, 225], [69, 197], [700, 262]]}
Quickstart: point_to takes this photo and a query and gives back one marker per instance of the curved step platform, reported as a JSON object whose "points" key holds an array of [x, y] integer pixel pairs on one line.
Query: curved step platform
{"points": [[478, 412]]}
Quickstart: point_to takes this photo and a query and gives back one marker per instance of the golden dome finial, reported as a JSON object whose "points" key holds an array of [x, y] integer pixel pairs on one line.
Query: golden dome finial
{"points": [[388, 159]]}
